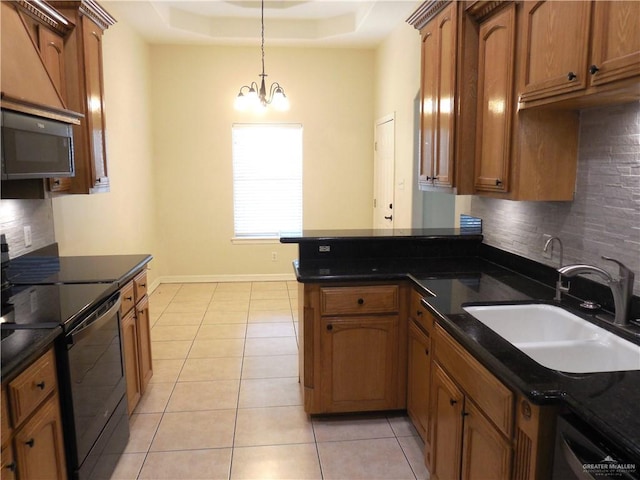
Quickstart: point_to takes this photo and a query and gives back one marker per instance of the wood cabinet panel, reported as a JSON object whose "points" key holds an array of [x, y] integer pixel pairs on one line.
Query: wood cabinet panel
{"points": [[420, 314], [127, 298], [359, 361], [52, 51], [4, 417], [429, 99], [129, 332], [446, 427], [359, 300], [39, 444], [496, 63], [495, 400], [32, 386], [8, 464], [549, 69], [615, 50], [140, 285], [144, 343], [485, 453], [418, 378]]}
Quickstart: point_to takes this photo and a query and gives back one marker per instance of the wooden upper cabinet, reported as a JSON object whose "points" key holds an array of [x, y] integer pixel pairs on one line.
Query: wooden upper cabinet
{"points": [[615, 47], [52, 51], [447, 94], [557, 47], [85, 92], [576, 50], [496, 60]]}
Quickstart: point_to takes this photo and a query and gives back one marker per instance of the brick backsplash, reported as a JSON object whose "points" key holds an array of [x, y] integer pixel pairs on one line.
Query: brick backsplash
{"points": [[603, 219], [15, 214]]}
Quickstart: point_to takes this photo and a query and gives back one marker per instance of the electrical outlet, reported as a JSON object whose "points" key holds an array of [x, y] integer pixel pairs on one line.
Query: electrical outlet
{"points": [[28, 241], [324, 248], [274, 256], [549, 253]]}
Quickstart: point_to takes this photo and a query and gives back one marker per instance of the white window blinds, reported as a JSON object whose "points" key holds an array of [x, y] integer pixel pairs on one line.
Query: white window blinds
{"points": [[267, 179]]}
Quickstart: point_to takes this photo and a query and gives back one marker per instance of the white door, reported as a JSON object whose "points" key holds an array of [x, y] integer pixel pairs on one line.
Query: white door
{"points": [[383, 172]]}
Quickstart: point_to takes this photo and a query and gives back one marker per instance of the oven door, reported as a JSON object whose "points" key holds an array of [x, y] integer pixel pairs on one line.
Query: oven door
{"points": [[96, 389], [582, 453]]}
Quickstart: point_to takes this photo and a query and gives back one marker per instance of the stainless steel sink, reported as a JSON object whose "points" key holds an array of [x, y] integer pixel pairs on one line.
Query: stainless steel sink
{"points": [[558, 339]]}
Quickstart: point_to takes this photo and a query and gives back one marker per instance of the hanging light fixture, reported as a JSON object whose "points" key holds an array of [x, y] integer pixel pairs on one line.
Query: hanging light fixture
{"points": [[256, 97]]}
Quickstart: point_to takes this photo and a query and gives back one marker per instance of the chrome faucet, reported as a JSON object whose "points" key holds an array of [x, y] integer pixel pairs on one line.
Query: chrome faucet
{"points": [[622, 288], [559, 286]]}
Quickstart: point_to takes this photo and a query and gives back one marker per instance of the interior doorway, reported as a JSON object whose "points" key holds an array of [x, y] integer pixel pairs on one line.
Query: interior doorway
{"points": [[384, 172]]}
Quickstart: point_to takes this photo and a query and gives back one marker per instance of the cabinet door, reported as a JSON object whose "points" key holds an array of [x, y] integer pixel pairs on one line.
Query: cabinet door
{"points": [[92, 41], [615, 47], [129, 331], [144, 343], [39, 445], [419, 370], [429, 95], [445, 113], [446, 434], [359, 358], [485, 452], [496, 61], [556, 39], [8, 464]]}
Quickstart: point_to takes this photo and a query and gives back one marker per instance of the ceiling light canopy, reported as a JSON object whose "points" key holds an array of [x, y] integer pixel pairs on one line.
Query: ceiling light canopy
{"points": [[253, 97]]}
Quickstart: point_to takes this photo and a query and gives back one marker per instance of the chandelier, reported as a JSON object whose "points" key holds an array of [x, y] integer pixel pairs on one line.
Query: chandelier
{"points": [[253, 97]]}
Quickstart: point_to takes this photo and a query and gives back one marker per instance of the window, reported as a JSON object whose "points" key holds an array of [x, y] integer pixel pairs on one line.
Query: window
{"points": [[267, 180]]}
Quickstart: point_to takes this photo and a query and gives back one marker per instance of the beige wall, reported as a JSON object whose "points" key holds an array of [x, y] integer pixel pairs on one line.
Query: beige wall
{"points": [[193, 90], [397, 75], [122, 221]]}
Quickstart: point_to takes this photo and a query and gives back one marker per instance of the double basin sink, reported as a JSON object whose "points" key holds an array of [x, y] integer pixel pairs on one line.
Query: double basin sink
{"points": [[558, 339]]}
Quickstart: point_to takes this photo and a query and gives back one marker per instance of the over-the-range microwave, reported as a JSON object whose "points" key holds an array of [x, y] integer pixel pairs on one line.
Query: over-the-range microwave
{"points": [[35, 147]]}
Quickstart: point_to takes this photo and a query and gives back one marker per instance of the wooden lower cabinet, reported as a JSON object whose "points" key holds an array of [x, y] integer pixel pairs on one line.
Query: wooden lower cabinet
{"points": [[129, 334], [418, 375], [135, 330], [476, 432], [359, 363], [32, 438], [39, 447], [353, 347]]}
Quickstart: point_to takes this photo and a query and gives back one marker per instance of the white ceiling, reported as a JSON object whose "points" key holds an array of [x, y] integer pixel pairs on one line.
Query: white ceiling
{"points": [[317, 23]]}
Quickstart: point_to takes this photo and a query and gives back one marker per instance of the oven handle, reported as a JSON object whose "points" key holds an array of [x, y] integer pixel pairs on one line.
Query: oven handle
{"points": [[82, 331], [573, 460]]}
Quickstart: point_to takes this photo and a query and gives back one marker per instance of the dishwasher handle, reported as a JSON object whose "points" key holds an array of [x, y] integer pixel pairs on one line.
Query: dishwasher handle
{"points": [[94, 321]]}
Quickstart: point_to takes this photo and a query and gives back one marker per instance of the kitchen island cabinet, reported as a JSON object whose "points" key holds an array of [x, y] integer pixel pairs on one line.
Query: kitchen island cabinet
{"points": [[353, 342]]}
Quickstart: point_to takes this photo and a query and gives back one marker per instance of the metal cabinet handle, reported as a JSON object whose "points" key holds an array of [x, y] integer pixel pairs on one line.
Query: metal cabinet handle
{"points": [[329, 327], [31, 442], [361, 301], [452, 401], [143, 285], [11, 466], [128, 298], [593, 69], [571, 76], [498, 182], [40, 385], [426, 351], [419, 313], [390, 217]]}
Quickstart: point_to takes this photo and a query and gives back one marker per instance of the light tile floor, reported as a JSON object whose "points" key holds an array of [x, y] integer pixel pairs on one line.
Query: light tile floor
{"points": [[225, 402]]}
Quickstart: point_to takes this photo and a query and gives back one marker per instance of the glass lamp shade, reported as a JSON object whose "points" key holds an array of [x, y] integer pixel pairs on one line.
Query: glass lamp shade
{"points": [[280, 100]]}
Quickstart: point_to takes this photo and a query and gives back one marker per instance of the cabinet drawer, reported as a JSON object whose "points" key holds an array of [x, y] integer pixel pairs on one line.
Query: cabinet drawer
{"points": [[494, 399], [4, 417], [128, 299], [420, 314], [32, 386], [357, 300], [140, 285]]}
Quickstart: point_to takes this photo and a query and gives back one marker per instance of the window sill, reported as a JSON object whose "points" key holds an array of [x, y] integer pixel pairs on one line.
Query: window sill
{"points": [[254, 240]]}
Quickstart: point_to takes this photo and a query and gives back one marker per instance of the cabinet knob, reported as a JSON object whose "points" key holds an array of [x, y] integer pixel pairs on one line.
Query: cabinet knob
{"points": [[429, 178], [464, 414], [128, 299], [11, 466], [452, 401], [426, 351], [361, 301], [593, 69], [329, 327], [40, 385], [419, 313], [31, 442], [571, 76], [56, 182], [498, 182], [143, 285], [390, 217]]}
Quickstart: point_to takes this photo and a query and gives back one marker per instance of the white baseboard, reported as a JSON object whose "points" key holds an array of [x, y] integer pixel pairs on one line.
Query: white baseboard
{"points": [[266, 277]]}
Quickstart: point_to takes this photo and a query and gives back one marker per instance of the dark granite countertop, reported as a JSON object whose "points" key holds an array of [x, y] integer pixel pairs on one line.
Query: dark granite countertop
{"points": [[607, 401], [379, 234], [21, 347]]}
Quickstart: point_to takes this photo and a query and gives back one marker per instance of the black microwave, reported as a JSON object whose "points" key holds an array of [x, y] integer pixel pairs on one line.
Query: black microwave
{"points": [[35, 147]]}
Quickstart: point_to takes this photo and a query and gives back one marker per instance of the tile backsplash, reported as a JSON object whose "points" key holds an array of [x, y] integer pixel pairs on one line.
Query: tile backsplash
{"points": [[16, 214], [604, 218]]}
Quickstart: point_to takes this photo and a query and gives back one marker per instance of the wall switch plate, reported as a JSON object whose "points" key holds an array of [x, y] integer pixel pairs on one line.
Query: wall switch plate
{"points": [[28, 240], [324, 248], [549, 253]]}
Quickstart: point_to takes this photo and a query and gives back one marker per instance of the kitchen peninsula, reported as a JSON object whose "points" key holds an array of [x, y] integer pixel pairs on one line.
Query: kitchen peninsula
{"points": [[373, 304]]}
